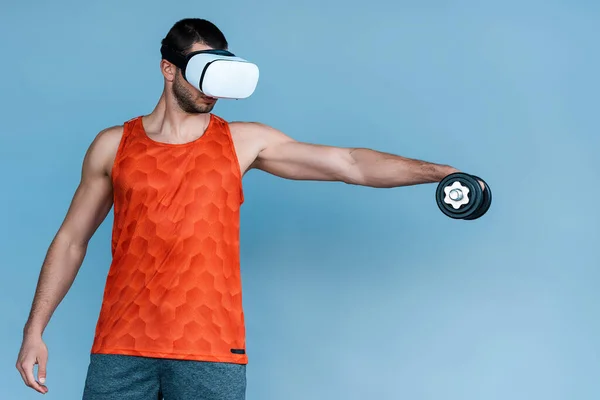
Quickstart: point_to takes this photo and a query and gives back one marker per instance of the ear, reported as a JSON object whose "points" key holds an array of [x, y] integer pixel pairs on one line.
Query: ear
{"points": [[168, 70]]}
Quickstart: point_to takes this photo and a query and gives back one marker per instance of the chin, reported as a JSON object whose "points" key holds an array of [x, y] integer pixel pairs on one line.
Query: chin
{"points": [[204, 108], [208, 106]]}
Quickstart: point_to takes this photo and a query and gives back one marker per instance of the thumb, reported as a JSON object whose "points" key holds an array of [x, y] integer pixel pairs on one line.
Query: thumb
{"points": [[42, 361]]}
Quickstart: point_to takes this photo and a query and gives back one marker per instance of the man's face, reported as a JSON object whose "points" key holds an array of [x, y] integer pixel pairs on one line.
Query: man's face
{"points": [[190, 99]]}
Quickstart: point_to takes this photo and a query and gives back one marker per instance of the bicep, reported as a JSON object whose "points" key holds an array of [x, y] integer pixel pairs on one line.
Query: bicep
{"points": [[305, 161], [89, 207], [274, 152], [92, 199]]}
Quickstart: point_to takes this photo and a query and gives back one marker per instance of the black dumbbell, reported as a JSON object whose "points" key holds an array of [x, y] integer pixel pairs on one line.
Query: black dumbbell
{"points": [[460, 196]]}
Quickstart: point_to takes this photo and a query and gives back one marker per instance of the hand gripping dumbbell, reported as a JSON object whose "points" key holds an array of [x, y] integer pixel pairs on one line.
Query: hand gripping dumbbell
{"points": [[460, 196]]}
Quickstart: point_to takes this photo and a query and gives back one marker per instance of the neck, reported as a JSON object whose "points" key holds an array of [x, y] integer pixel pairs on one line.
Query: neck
{"points": [[168, 120]]}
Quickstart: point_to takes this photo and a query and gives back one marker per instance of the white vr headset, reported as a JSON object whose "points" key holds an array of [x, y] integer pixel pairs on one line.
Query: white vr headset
{"points": [[216, 73]]}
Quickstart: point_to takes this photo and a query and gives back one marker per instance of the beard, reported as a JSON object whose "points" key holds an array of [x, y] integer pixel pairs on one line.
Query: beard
{"points": [[188, 99]]}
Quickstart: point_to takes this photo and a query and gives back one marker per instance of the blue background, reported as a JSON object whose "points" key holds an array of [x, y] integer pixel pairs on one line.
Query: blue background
{"points": [[349, 292]]}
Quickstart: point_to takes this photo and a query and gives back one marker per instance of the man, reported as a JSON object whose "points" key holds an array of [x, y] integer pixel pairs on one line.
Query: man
{"points": [[171, 323]]}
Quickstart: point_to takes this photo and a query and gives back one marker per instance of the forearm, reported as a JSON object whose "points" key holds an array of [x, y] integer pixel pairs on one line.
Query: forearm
{"points": [[58, 272], [384, 170]]}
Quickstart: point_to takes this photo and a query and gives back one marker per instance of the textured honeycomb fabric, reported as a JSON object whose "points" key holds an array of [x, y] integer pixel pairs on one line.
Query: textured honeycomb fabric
{"points": [[174, 289]]}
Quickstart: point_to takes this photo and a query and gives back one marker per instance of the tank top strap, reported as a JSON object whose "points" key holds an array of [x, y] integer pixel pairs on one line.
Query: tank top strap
{"points": [[129, 133], [220, 124], [222, 128], [132, 127]]}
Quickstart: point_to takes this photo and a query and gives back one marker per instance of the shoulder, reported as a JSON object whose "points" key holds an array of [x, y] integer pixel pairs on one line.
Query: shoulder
{"points": [[107, 139], [248, 127], [110, 134], [258, 132], [103, 149]]}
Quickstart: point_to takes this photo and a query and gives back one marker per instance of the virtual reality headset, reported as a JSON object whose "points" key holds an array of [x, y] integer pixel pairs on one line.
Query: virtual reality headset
{"points": [[216, 73]]}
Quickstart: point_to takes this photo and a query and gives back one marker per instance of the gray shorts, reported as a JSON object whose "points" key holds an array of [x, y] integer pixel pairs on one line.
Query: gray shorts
{"points": [[116, 377]]}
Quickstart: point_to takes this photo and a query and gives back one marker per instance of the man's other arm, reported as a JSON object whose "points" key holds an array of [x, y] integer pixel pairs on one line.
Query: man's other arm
{"points": [[89, 207]]}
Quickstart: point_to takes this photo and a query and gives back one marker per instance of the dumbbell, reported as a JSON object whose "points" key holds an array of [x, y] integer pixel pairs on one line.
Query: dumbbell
{"points": [[460, 196]]}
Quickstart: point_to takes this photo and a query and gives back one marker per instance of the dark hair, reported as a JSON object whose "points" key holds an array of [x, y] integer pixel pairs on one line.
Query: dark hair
{"points": [[187, 32]]}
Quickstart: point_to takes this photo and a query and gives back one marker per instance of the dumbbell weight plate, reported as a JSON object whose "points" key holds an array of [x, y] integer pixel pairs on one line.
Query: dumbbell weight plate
{"points": [[485, 204], [459, 195]]}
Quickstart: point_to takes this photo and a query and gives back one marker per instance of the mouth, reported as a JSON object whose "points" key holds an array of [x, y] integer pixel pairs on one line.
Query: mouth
{"points": [[208, 99]]}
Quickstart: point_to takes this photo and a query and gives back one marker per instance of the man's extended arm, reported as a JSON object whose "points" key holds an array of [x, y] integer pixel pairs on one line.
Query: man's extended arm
{"points": [[285, 157], [90, 205]]}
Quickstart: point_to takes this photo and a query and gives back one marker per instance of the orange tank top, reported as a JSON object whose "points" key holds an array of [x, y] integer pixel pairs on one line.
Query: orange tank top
{"points": [[174, 288]]}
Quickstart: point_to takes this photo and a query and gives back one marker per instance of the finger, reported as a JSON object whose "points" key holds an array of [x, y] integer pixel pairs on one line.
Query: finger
{"points": [[30, 380], [42, 362], [20, 369]]}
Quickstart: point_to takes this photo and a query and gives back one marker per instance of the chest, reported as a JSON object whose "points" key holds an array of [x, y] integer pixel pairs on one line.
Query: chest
{"points": [[165, 174]]}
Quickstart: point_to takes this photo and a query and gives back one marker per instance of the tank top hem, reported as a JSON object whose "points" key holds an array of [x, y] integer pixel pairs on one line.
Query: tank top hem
{"points": [[242, 359]]}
